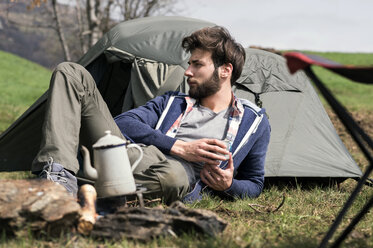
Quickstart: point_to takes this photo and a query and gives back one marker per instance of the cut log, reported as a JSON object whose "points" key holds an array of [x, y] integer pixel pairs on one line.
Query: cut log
{"points": [[87, 199], [46, 208], [145, 224], [36, 205]]}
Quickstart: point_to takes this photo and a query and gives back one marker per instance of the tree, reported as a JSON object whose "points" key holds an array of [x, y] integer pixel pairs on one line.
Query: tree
{"points": [[86, 20], [40, 17], [60, 33]]}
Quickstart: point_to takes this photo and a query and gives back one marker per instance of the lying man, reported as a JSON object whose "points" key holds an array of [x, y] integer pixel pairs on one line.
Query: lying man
{"points": [[184, 154]]}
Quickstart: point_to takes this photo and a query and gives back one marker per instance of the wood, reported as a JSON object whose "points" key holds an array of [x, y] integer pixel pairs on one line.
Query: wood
{"points": [[144, 224], [87, 199], [39, 206]]}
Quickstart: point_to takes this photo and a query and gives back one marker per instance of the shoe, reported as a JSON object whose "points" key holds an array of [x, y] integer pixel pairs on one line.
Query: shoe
{"points": [[55, 172]]}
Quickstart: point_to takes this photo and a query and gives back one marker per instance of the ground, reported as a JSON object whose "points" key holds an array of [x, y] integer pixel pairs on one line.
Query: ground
{"points": [[365, 121]]}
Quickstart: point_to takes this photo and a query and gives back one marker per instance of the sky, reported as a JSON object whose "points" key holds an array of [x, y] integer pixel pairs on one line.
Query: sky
{"points": [[317, 25]]}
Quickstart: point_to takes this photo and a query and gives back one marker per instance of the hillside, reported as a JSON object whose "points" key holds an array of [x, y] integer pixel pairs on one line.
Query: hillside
{"points": [[40, 45], [21, 83]]}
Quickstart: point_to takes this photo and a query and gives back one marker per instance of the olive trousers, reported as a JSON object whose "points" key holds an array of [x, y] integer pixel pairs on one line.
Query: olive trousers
{"points": [[76, 114]]}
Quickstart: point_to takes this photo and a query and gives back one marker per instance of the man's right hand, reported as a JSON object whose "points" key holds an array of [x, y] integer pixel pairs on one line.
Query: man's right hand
{"points": [[202, 150]]}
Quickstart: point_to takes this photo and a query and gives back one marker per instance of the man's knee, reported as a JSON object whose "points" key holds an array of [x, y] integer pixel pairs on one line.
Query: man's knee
{"points": [[175, 180], [69, 67], [74, 74]]}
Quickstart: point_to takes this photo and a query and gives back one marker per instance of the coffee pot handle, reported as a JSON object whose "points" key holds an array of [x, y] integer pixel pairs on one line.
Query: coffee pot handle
{"points": [[140, 157]]}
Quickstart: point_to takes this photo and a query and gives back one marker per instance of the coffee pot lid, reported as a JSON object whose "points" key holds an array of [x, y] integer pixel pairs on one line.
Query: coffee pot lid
{"points": [[109, 140]]}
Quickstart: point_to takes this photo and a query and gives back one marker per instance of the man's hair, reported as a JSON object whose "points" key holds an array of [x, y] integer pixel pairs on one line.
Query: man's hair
{"points": [[221, 44]]}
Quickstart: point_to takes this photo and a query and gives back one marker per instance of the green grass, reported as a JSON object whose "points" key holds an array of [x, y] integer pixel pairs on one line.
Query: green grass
{"points": [[21, 83], [301, 222]]}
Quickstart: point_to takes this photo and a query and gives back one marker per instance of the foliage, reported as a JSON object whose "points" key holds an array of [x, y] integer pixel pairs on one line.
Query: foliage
{"points": [[33, 3]]}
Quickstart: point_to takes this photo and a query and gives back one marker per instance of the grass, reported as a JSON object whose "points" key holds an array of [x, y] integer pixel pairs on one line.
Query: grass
{"points": [[21, 83], [302, 221]]}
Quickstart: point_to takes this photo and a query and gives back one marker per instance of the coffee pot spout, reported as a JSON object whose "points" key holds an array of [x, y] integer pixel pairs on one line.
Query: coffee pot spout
{"points": [[88, 170]]}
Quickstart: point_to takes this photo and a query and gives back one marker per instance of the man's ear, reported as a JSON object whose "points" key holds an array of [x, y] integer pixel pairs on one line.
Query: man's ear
{"points": [[226, 70]]}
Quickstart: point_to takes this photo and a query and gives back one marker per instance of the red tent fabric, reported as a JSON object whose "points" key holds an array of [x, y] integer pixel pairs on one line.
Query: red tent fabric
{"points": [[299, 61]]}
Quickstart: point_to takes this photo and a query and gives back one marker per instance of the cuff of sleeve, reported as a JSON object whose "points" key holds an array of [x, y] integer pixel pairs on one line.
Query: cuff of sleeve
{"points": [[230, 191], [166, 144]]}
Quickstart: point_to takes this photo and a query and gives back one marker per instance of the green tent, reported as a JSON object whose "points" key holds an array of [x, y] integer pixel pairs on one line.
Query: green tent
{"points": [[140, 59]]}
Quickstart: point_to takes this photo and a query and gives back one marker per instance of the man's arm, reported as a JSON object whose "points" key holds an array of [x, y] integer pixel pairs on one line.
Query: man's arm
{"points": [[249, 180], [139, 124]]}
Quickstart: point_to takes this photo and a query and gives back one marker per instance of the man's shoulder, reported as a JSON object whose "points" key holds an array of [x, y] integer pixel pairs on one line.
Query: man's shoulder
{"points": [[176, 94], [253, 108], [248, 104], [167, 96], [175, 97]]}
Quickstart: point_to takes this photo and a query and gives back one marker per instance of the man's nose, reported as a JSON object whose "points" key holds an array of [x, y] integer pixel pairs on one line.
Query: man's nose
{"points": [[188, 72]]}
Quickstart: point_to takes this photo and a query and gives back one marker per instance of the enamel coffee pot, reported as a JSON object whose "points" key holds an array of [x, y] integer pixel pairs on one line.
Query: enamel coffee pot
{"points": [[113, 172]]}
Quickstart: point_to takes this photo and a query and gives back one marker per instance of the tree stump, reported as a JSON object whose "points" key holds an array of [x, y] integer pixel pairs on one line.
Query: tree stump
{"points": [[36, 205]]}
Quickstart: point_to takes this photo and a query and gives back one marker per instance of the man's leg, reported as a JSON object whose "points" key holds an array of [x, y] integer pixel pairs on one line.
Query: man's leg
{"points": [[75, 113], [163, 178]]}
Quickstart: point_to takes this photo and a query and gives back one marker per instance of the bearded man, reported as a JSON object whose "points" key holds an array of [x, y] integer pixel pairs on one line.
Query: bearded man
{"points": [[208, 141]]}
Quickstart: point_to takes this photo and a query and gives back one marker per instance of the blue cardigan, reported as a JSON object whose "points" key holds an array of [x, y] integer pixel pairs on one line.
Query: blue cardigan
{"points": [[147, 125]]}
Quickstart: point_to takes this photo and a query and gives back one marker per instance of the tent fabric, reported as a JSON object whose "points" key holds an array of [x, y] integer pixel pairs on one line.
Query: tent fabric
{"points": [[303, 139], [140, 59], [154, 38], [148, 78]]}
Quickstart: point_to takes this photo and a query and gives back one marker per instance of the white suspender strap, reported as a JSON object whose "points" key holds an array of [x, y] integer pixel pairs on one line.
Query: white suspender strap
{"points": [[251, 130], [164, 113]]}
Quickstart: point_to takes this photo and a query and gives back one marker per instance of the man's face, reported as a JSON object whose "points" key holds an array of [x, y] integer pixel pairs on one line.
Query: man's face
{"points": [[203, 77]]}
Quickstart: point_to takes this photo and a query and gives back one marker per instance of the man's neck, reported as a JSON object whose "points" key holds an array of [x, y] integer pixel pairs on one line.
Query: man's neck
{"points": [[219, 101]]}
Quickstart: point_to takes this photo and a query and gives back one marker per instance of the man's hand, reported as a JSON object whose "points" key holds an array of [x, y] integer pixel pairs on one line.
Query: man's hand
{"points": [[202, 150], [217, 178]]}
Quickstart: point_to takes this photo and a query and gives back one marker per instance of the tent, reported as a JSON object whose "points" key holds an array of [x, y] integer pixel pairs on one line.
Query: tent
{"points": [[140, 59]]}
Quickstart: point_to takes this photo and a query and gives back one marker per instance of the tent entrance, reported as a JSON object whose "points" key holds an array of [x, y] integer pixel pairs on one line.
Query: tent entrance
{"points": [[114, 85]]}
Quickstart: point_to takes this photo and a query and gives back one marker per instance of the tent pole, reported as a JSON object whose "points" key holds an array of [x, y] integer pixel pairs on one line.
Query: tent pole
{"points": [[354, 129], [353, 223]]}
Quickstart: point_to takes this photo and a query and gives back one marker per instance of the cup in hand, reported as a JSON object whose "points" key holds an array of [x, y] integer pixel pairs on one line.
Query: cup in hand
{"points": [[228, 147]]}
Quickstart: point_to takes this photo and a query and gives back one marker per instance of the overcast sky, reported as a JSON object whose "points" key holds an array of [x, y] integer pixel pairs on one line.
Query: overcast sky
{"points": [[320, 25]]}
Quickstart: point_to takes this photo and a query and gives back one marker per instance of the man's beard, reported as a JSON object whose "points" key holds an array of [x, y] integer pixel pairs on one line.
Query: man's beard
{"points": [[206, 88]]}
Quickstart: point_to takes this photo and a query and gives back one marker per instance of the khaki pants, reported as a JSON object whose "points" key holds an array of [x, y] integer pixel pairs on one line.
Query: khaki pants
{"points": [[77, 114], [163, 178]]}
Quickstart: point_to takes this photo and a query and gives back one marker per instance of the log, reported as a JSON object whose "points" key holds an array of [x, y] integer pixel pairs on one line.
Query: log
{"points": [[36, 205], [46, 208], [87, 199], [144, 224]]}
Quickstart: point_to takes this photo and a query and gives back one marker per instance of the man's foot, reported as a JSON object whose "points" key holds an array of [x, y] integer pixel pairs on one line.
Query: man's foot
{"points": [[55, 172]]}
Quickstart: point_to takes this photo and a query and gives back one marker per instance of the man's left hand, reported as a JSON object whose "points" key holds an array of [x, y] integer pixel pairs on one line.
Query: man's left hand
{"points": [[217, 178]]}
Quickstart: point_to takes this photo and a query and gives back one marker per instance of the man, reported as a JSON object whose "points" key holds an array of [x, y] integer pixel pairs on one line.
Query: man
{"points": [[183, 134]]}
